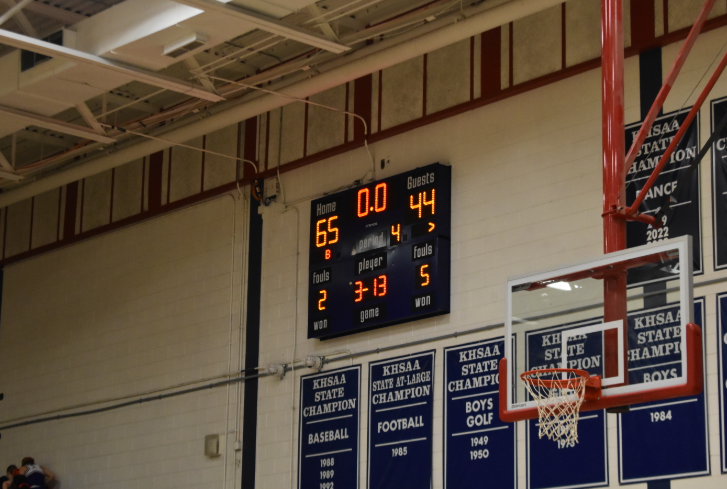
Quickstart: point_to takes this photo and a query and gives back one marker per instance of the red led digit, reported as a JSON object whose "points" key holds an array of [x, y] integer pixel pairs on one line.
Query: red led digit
{"points": [[429, 202], [360, 291], [423, 274], [418, 205], [332, 230], [396, 232], [380, 200], [382, 285], [328, 254], [321, 305], [320, 234], [365, 211]]}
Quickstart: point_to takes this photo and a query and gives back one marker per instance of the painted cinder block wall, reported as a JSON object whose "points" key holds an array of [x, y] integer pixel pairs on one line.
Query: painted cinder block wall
{"points": [[149, 306]]}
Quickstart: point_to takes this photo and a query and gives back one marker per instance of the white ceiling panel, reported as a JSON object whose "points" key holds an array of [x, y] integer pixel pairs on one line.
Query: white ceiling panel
{"points": [[58, 89], [30, 102]]}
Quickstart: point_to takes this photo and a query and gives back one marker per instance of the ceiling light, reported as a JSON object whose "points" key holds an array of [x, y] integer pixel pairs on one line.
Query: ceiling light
{"points": [[560, 286]]}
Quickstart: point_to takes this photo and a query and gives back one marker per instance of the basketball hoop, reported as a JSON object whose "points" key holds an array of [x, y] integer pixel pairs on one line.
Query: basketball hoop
{"points": [[558, 393]]}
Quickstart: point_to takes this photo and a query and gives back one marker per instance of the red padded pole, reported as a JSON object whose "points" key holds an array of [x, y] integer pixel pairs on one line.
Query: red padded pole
{"points": [[614, 149]]}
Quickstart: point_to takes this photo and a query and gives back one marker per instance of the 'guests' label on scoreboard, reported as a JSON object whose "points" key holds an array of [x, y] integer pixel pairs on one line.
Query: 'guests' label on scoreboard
{"points": [[400, 422], [477, 445], [329, 427]]}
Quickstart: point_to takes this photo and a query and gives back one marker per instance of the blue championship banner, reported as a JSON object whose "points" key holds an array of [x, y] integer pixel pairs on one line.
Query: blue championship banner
{"points": [[722, 366], [401, 408], [719, 186], [587, 459], [646, 434], [329, 427], [479, 449], [684, 216]]}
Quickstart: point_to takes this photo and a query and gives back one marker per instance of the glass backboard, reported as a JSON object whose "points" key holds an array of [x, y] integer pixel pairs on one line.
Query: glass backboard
{"points": [[622, 316]]}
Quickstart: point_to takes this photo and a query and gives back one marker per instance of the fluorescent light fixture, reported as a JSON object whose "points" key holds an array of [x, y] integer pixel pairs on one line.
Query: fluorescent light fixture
{"points": [[560, 286]]}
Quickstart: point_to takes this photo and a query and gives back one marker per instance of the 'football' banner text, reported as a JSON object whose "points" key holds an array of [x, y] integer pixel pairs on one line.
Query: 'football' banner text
{"points": [[401, 408]]}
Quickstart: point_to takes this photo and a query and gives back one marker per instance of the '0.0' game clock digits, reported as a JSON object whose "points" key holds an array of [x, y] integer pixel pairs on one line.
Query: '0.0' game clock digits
{"points": [[380, 253]]}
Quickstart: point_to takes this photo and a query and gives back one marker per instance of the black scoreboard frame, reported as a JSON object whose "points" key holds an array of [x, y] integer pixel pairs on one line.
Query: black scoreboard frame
{"points": [[380, 253]]}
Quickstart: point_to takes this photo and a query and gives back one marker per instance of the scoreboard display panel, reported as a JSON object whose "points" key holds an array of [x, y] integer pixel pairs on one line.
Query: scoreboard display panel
{"points": [[380, 253]]}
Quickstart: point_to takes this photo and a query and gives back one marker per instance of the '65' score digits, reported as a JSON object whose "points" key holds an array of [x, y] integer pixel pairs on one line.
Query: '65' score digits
{"points": [[379, 253]]}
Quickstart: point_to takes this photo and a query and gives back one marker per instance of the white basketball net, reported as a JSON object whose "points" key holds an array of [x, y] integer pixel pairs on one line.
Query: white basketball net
{"points": [[558, 395]]}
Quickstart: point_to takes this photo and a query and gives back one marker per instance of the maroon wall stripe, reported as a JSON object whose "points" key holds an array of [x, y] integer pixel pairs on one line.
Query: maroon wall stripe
{"points": [[642, 16], [267, 135], [143, 182], [562, 36], [424, 87], [204, 146], [250, 150], [362, 88], [69, 219], [472, 68], [305, 131], [156, 167], [58, 224], [491, 62], [511, 76], [169, 177], [346, 117], [32, 212], [5, 230], [83, 196], [111, 207], [381, 89]]}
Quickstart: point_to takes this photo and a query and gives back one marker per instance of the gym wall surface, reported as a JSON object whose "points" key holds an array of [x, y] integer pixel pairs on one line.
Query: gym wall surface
{"points": [[128, 283]]}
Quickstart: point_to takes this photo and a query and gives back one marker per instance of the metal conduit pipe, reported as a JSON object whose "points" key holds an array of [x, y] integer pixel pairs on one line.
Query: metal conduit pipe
{"points": [[449, 34]]}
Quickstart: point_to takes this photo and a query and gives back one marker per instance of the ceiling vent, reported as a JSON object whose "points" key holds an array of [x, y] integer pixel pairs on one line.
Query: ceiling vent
{"points": [[187, 44]]}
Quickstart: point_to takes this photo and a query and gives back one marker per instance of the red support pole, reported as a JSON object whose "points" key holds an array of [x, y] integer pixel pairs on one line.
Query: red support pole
{"points": [[614, 149]]}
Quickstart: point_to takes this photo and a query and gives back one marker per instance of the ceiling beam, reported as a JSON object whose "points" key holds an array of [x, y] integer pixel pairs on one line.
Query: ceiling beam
{"points": [[20, 16], [61, 15], [8, 172], [44, 138], [54, 124], [323, 24], [139, 74], [268, 24], [16, 10], [90, 119]]}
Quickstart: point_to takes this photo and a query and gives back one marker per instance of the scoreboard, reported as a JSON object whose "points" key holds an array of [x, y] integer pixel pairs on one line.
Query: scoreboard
{"points": [[380, 253]]}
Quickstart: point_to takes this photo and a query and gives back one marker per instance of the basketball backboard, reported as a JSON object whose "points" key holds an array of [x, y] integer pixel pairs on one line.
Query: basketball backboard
{"points": [[623, 316]]}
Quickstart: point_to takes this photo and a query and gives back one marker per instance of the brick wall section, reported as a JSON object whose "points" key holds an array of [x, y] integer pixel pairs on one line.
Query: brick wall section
{"points": [[125, 314]]}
